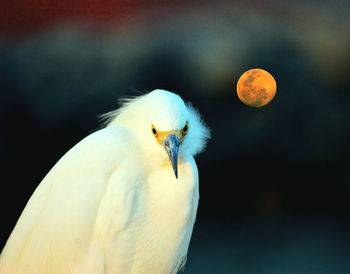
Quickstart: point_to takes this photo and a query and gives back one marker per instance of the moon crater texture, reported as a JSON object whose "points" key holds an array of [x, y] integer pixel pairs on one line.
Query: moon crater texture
{"points": [[256, 88]]}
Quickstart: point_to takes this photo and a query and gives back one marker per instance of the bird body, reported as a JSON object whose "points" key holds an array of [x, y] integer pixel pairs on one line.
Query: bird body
{"points": [[112, 203]]}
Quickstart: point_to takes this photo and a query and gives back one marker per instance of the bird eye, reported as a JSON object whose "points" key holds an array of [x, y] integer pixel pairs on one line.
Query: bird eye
{"points": [[185, 129], [154, 131]]}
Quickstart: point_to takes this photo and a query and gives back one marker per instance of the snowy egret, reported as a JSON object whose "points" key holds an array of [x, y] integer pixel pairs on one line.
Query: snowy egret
{"points": [[123, 200]]}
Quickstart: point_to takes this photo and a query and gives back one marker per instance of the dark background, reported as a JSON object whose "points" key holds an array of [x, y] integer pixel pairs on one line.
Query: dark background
{"points": [[274, 181]]}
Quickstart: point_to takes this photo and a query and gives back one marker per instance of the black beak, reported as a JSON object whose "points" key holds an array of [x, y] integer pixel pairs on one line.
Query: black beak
{"points": [[171, 145]]}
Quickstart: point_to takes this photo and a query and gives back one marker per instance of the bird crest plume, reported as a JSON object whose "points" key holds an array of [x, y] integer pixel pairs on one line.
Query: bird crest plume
{"points": [[198, 133]]}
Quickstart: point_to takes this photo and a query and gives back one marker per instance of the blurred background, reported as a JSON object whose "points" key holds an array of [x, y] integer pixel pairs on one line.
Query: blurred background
{"points": [[274, 181]]}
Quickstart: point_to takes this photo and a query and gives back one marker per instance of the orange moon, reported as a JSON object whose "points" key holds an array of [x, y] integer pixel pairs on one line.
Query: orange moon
{"points": [[256, 87]]}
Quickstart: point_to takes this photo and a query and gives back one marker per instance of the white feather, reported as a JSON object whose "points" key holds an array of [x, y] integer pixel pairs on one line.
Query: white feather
{"points": [[112, 203]]}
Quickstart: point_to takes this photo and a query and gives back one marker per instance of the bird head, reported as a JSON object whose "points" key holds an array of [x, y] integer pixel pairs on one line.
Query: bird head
{"points": [[169, 129]]}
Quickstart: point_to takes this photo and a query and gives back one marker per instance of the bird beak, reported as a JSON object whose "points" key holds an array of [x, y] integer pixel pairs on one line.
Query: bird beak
{"points": [[171, 145]]}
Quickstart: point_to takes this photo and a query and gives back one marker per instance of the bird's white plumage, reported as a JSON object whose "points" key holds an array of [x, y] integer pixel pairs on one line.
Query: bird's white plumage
{"points": [[112, 203]]}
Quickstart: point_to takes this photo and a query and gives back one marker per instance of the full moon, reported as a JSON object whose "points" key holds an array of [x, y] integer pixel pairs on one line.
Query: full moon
{"points": [[256, 87]]}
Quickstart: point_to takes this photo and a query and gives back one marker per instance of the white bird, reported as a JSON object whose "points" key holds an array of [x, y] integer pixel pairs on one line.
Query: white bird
{"points": [[123, 200]]}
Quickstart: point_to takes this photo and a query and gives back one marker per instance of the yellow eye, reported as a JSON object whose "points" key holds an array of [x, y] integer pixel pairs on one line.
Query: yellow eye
{"points": [[185, 129], [154, 131]]}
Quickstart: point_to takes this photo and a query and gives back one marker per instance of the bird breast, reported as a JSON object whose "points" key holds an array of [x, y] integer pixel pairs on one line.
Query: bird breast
{"points": [[172, 212], [170, 199], [160, 237]]}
